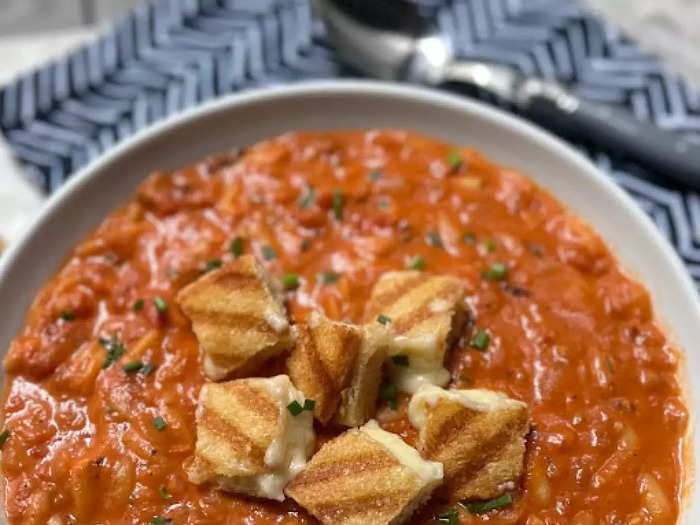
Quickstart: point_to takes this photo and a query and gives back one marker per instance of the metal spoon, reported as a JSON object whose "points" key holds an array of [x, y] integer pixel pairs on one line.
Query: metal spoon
{"points": [[423, 54]]}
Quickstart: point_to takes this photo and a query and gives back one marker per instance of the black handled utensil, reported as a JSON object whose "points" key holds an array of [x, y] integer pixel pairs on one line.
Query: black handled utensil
{"points": [[394, 40]]}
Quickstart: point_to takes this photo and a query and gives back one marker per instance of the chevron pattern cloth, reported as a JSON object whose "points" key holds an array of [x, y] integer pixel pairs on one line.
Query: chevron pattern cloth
{"points": [[172, 54]]}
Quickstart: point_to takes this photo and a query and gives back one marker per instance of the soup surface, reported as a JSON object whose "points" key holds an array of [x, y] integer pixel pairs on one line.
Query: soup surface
{"points": [[570, 334]]}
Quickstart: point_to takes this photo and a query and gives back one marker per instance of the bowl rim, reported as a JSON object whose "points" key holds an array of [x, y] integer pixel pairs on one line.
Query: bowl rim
{"points": [[339, 87]]}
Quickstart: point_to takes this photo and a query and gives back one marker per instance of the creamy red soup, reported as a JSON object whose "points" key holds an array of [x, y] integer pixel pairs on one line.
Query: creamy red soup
{"points": [[569, 333]]}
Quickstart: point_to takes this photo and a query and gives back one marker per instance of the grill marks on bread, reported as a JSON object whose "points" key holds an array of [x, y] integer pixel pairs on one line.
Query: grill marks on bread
{"points": [[478, 436], [359, 479], [238, 318]]}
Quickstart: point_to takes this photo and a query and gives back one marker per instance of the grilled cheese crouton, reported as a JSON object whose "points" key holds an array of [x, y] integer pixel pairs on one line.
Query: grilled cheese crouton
{"points": [[478, 435], [425, 314], [365, 476], [359, 399], [248, 441], [322, 361], [238, 318]]}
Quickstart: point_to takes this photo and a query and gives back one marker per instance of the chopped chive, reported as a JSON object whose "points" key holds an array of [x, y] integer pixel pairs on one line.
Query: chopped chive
{"points": [[308, 196], [160, 304], [496, 272], [163, 493], [237, 247], [147, 368], [383, 319], [138, 305], [390, 394], [213, 264], [309, 405], [490, 245], [481, 340], [480, 507], [132, 366], [329, 277], [454, 160], [115, 349], [159, 423], [290, 281], [295, 408], [160, 520], [268, 252], [433, 239], [400, 360], [449, 516], [4, 435], [67, 315], [338, 202], [469, 238], [374, 175], [417, 262]]}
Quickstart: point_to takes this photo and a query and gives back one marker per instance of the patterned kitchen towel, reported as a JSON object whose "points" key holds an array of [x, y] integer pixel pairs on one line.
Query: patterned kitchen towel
{"points": [[172, 54]]}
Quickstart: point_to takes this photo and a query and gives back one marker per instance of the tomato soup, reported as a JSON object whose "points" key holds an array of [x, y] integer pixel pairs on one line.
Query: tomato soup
{"points": [[102, 382]]}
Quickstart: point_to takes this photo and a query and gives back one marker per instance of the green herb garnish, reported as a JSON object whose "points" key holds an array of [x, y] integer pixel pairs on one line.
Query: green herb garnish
{"points": [[329, 277], [469, 238], [338, 202], [237, 247], [213, 264], [484, 506], [295, 408], [160, 304], [390, 394], [309, 405], [132, 366], [159, 423], [374, 175], [290, 281], [496, 272], [4, 435], [383, 319], [163, 493], [489, 245], [68, 315], [400, 360], [147, 368], [138, 305], [417, 262], [160, 520], [308, 196], [454, 160], [449, 516], [115, 349], [433, 239], [268, 252], [481, 340]]}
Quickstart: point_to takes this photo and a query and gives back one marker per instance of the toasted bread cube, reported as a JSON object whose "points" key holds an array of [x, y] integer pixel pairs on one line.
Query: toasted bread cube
{"points": [[425, 314], [322, 361], [238, 318], [359, 399], [248, 441], [478, 435], [365, 476]]}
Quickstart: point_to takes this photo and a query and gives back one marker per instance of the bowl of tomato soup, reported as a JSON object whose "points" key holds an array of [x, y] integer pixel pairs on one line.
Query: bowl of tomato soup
{"points": [[592, 318]]}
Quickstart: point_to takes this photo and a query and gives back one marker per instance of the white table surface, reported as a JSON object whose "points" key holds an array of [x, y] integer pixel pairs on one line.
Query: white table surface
{"points": [[668, 28]]}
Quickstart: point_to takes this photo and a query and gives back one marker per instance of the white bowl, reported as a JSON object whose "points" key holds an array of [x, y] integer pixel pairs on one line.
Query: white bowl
{"points": [[244, 119]]}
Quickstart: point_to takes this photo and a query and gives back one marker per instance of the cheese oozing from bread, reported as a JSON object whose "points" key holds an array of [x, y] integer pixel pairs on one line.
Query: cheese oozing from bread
{"points": [[248, 441], [478, 435]]}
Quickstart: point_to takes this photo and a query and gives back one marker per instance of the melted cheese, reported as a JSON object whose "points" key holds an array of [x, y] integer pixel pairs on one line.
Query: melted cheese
{"points": [[427, 471], [475, 399], [287, 454]]}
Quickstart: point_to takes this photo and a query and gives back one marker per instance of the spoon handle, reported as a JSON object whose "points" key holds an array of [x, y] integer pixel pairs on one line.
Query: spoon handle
{"points": [[612, 129]]}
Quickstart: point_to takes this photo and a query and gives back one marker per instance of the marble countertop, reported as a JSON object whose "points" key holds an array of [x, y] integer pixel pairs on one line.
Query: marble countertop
{"points": [[667, 28]]}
